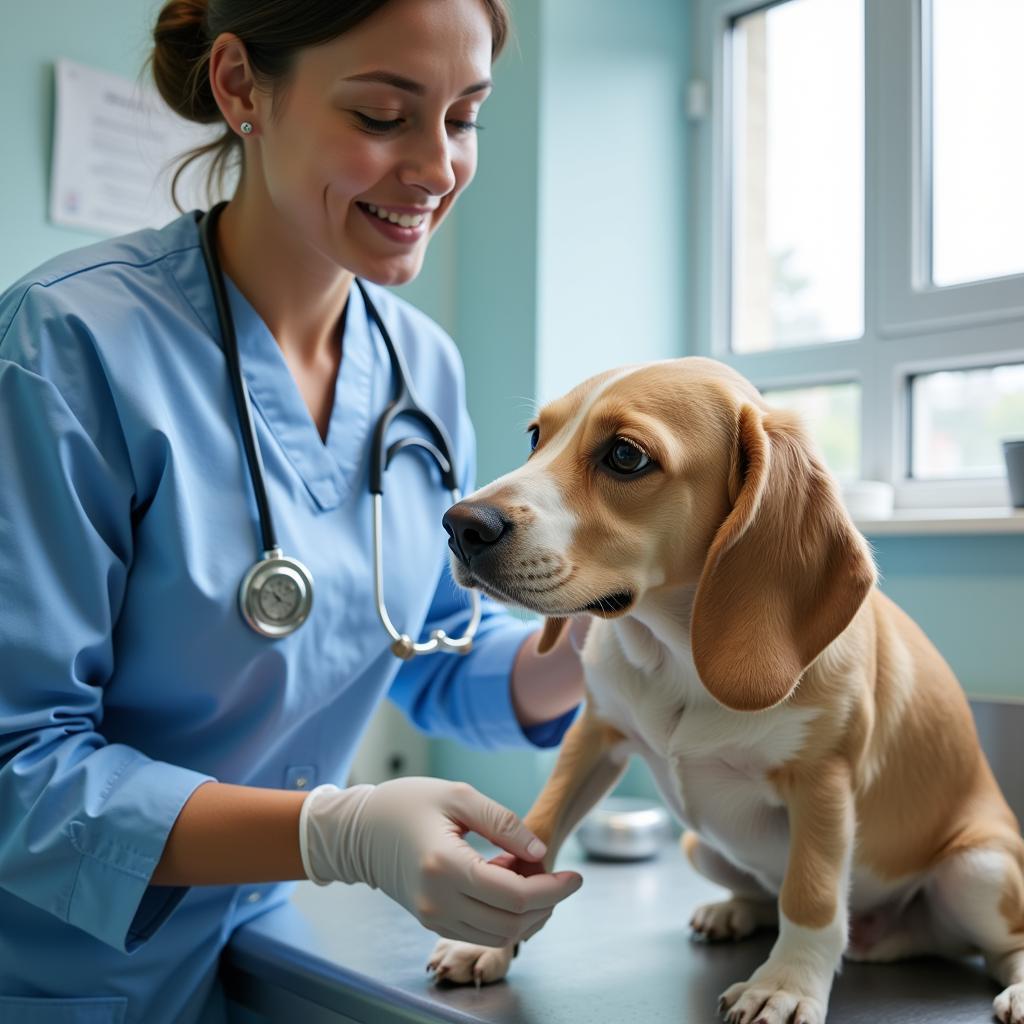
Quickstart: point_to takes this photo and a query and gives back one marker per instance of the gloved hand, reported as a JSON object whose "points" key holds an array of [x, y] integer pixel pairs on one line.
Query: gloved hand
{"points": [[406, 838]]}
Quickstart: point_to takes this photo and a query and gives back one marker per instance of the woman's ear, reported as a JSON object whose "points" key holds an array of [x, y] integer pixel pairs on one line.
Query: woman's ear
{"points": [[232, 82], [550, 634], [785, 573]]}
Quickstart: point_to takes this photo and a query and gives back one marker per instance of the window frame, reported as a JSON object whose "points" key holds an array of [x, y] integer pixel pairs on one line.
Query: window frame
{"points": [[910, 325]]}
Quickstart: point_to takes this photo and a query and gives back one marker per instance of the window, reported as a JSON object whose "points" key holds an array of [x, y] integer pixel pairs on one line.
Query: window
{"points": [[832, 414], [958, 417], [859, 238], [798, 175], [977, 84]]}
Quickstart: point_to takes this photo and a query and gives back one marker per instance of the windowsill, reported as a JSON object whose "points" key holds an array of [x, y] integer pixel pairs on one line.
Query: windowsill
{"points": [[938, 521]]}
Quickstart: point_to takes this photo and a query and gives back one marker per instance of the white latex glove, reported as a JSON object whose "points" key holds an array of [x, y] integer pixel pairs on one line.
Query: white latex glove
{"points": [[406, 838]]}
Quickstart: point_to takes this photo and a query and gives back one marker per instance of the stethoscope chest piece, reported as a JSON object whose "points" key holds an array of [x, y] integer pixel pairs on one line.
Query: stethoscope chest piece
{"points": [[276, 594]]}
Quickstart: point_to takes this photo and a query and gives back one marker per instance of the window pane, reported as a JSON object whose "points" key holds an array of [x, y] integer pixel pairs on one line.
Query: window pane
{"points": [[959, 418], [977, 140], [798, 174], [832, 414]]}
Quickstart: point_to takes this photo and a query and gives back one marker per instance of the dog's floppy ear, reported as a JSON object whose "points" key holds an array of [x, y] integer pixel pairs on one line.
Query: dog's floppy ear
{"points": [[550, 634], [785, 573]]}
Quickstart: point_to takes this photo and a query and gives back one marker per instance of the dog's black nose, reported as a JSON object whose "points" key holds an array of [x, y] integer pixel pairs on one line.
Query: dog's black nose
{"points": [[474, 528]]}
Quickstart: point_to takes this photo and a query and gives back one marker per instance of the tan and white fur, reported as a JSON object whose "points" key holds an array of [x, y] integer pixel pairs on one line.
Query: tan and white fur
{"points": [[815, 745]]}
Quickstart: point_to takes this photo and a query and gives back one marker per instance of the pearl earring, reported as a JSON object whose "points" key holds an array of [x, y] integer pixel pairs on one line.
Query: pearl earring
{"points": [[246, 127]]}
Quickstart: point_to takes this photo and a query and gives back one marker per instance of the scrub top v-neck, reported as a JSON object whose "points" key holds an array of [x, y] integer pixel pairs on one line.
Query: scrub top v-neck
{"points": [[328, 467], [129, 677]]}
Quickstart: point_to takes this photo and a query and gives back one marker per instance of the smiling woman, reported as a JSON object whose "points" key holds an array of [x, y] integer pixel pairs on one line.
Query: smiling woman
{"points": [[345, 114], [157, 754]]}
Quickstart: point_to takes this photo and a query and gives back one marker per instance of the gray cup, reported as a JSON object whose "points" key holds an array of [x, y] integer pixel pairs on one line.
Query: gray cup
{"points": [[1013, 452]]}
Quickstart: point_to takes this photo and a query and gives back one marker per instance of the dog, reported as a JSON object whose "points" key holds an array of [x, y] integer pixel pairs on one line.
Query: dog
{"points": [[819, 752]]}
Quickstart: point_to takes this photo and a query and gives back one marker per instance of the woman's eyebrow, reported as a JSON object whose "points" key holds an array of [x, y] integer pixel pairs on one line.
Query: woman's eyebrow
{"points": [[408, 85]]}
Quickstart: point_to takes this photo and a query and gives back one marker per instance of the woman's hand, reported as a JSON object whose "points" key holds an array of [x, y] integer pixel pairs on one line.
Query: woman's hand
{"points": [[406, 838], [545, 686]]}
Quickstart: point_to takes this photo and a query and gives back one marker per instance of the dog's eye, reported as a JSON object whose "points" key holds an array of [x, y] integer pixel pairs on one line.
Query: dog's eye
{"points": [[534, 437], [625, 457]]}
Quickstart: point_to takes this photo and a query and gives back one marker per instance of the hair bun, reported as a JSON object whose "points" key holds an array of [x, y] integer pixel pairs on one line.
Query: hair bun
{"points": [[181, 53]]}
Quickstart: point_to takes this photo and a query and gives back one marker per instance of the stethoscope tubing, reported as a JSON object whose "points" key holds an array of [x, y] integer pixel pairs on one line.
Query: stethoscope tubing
{"points": [[403, 646], [207, 236], [404, 402]]}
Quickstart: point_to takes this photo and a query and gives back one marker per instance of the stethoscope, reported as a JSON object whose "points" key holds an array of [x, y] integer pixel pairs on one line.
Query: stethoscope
{"points": [[276, 594]]}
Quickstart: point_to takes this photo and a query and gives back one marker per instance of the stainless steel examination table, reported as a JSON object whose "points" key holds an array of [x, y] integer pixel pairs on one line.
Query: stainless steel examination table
{"points": [[617, 951]]}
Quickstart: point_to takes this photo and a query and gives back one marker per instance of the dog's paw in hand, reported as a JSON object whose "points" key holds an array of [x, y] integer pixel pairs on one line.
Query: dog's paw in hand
{"points": [[1009, 1005], [526, 868], [761, 1002], [733, 919], [463, 963]]}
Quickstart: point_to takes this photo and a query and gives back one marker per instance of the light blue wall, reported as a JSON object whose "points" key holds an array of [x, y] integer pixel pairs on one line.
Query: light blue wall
{"points": [[109, 34], [967, 594], [496, 253], [612, 187]]}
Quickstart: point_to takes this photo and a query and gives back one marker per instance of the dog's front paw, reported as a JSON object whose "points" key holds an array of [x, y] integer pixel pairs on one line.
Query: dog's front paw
{"points": [[462, 962], [1009, 1005], [733, 919], [764, 1000]]}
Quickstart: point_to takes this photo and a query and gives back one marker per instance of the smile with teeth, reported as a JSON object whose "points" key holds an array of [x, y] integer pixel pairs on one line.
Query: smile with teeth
{"points": [[403, 220]]}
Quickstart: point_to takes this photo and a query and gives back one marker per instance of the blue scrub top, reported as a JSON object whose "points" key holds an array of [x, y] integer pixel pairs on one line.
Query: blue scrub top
{"points": [[127, 674]]}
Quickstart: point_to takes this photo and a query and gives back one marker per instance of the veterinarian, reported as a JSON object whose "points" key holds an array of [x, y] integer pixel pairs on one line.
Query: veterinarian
{"points": [[191, 639]]}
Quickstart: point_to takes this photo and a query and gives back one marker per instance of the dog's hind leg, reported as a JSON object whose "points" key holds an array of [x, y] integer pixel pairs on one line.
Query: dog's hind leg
{"points": [[751, 906], [980, 893]]}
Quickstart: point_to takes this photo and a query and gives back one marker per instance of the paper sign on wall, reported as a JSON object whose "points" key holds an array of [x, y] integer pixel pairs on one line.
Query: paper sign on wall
{"points": [[115, 147]]}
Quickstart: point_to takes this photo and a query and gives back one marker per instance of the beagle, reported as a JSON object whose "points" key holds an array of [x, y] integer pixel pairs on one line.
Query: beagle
{"points": [[816, 747]]}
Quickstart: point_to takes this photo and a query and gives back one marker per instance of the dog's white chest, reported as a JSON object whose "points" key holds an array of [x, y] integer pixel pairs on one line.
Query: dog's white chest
{"points": [[709, 763]]}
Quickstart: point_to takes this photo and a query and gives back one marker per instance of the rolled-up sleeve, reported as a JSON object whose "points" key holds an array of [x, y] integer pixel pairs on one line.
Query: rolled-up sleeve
{"points": [[83, 822], [468, 697]]}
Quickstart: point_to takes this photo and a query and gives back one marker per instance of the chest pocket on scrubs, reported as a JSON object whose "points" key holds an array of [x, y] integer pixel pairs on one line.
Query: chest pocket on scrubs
{"points": [[87, 1010]]}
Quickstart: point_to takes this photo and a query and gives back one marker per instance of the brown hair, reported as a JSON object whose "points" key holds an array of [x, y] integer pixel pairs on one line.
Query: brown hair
{"points": [[273, 32]]}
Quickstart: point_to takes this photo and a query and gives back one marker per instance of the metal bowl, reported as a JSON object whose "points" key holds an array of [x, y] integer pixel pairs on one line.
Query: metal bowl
{"points": [[624, 828]]}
